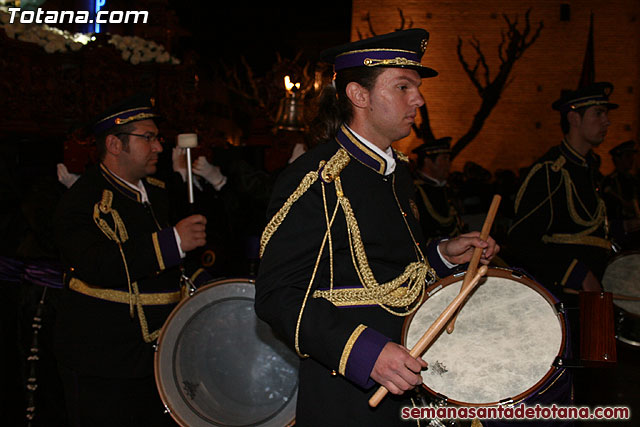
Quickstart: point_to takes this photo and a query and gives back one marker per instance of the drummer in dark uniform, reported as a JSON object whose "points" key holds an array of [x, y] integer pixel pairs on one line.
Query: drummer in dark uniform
{"points": [[123, 257], [343, 256], [620, 191], [438, 214], [559, 232]]}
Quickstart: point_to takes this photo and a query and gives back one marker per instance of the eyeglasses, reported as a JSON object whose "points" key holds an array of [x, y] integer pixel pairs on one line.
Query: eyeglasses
{"points": [[149, 137]]}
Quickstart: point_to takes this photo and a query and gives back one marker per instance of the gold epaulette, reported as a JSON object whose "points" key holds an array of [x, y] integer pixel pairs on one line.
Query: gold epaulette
{"points": [[401, 156], [119, 232], [156, 182], [334, 165], [558, 164], [329, 171]]}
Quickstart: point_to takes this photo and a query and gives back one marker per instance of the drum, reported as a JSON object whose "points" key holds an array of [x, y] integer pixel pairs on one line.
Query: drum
{"points": [[622, 277], [217, 364], [506, 339]]}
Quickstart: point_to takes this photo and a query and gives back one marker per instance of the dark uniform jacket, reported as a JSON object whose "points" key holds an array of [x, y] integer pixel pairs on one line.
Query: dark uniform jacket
{"points": [[559, 232], [101, 222], [620, 191], [438, 215], [343, 338]]}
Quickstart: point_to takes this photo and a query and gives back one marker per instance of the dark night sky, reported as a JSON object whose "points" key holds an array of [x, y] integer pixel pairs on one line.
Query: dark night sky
{"points": [[260, 30]]}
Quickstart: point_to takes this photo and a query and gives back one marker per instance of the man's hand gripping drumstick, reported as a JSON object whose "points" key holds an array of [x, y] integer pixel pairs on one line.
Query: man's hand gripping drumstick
{"points": [[434, 330]]}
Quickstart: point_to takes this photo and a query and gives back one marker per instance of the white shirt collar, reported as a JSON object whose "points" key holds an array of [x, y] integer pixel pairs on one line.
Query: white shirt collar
{"points": [[139, 187]]}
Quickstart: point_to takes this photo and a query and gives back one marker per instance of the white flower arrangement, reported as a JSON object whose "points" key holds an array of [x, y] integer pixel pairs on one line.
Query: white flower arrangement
{"points": [[50, 38], [133, 49], [137, 50]]}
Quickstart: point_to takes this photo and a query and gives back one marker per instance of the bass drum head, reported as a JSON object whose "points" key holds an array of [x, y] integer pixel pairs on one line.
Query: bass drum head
{"points": [[217, 364], [622, 277], [505, 340]]}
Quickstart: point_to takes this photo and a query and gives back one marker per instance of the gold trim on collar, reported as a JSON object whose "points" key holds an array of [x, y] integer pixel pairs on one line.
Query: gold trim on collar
{"points": [[120, 184], [573, 151], [368, 151]]}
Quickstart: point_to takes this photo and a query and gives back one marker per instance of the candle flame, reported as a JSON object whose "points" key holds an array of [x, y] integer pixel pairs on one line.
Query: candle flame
{"points": [[289, 85]]}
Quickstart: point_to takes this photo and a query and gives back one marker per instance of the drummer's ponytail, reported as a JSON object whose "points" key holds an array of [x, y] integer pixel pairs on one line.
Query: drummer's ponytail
{"points": [[334, 106]]}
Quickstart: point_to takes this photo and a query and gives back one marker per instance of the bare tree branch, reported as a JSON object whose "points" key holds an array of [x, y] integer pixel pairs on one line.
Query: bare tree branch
{"points": [[514, 42], [401, 20], [367, 19]]}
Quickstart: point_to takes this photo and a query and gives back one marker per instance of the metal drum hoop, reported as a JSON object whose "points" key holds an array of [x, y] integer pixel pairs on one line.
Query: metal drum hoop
{"points": [[543, 383], [248, 402]]}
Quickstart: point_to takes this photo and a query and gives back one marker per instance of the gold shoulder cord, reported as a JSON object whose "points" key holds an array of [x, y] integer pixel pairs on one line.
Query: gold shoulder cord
{"points": [[442, 220], [119, 235], [387, 295], [550, 192], [595, 220]]}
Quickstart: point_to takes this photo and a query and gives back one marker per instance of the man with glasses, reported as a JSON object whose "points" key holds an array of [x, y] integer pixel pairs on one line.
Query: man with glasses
{"points": [[124, 260]]}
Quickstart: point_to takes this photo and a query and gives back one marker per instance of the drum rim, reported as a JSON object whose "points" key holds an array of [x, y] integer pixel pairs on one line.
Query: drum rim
{"points": [[622, 255], [507, 274], [160, 386], [611, 261]]}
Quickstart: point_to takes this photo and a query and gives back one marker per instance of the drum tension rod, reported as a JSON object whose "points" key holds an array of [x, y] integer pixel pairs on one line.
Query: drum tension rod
{"points": [[561, 362], [561, 307]]}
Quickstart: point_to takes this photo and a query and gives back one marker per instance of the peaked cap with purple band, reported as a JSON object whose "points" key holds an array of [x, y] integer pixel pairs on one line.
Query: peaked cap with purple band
{"points": [[595, 94], [133, 109], [434, 146], [400, 49]]}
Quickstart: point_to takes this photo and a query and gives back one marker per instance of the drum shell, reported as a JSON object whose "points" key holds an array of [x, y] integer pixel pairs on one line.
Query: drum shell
{"points": [[212, 298], [622, 276], [553, 387]]}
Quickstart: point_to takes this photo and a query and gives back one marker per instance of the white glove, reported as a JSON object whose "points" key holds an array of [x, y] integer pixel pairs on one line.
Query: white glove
{"points": [[209, 172], [65, 177], [179, 159]]}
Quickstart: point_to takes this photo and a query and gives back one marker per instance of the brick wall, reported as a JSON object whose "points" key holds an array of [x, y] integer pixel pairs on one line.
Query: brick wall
{"points": [[522, 126]]}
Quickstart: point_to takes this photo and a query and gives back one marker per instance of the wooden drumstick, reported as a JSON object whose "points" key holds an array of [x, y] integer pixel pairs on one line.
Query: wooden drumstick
{"points": [[477, 252], [434, 330]]}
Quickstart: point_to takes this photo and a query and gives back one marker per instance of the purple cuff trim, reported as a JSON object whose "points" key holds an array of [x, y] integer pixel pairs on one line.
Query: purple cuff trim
{"points": [[363, 356], [576, 277], [168, 247], [435, 261], [356, 59]]}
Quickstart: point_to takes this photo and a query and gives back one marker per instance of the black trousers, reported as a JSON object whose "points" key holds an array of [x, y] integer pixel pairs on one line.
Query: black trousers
{"points": [[94, 401]]}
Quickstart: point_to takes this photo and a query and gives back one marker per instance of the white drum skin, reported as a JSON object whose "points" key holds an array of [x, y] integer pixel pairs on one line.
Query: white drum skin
{"points": [[217, 364], [507, 336], [622, 277]]}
